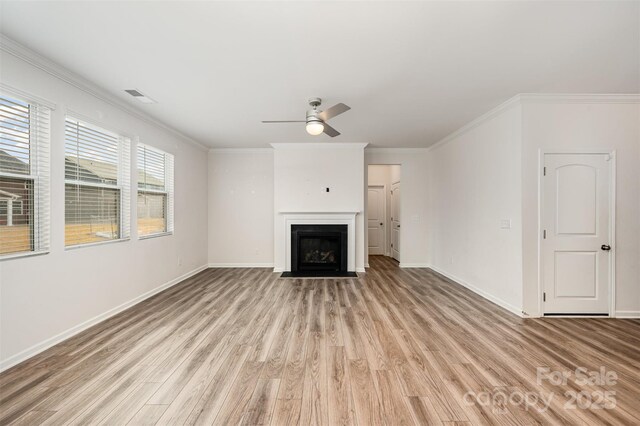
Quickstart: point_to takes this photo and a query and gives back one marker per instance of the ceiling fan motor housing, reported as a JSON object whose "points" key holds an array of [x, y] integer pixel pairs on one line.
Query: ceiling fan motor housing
{"points": [[312, 115]]}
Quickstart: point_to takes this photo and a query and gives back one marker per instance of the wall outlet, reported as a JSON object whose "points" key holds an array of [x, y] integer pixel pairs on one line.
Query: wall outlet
{"points": [[505, 224]]}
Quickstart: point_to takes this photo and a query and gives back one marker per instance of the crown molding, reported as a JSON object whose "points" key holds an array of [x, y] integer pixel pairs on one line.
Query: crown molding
{"points": [[26, 96], [514, 101], [333, 145], [240, 150], [373, 150], [578, 98], [29, 56], [522, 98]]}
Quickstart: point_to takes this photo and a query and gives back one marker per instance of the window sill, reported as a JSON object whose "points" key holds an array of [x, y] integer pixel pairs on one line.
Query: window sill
{"points": [[99, 243], [23, 254], [159, 234]]}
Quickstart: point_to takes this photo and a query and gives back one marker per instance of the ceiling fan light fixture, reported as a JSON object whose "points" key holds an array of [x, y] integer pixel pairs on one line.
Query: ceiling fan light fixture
{"points": [[315, 127]]}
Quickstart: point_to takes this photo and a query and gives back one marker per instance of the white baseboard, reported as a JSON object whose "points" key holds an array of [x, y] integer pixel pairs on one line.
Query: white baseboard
{"points": [[52, 341], [414, 265], [491, 298], [241, 265], [627, 314], [360, 270]]}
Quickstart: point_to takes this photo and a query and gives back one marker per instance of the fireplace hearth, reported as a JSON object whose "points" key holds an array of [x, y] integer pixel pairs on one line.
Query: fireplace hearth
{"points": [[319, 251]]}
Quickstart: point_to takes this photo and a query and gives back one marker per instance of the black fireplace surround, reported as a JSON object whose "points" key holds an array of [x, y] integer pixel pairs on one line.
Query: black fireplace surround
{"points": [[319, 251]]}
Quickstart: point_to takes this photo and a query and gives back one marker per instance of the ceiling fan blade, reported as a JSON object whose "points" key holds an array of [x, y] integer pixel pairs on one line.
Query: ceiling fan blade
{"points": [[333, 111], [283, 121], [330, 131]]}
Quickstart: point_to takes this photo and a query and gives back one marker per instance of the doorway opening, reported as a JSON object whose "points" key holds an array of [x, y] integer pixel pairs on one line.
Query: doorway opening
{"points": [[383, 210]]}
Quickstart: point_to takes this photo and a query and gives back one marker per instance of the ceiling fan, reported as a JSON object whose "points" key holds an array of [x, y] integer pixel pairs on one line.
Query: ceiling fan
{"points": [[317, 120]]}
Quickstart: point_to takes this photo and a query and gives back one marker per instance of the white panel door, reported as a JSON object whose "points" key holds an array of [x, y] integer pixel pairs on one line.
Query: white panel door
{"points": [[576, 233], [395, 221], [376, 219]]}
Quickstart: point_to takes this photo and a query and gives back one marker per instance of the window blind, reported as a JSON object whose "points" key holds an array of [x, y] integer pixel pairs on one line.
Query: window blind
{"points": [[96, 184], [24, 176], [155, 191]]}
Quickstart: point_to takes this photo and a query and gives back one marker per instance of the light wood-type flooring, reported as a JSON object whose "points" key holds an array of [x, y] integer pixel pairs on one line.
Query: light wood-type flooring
{"points": [[395, 347]]}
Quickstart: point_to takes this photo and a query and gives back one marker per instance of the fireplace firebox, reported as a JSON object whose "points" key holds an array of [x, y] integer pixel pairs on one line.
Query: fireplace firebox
{"points": [[319, 250]]}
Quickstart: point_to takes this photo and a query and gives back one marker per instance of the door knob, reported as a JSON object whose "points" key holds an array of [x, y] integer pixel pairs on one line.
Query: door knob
{"points": [[381, 224], [605, 247]]}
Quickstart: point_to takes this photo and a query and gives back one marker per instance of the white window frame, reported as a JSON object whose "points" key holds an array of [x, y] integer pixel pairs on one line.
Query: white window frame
{"points": [[39, 169], [123, 184], [168, 191]]}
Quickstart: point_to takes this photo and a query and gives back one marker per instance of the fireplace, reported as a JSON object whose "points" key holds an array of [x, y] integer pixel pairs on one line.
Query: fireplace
{"points": [[319, 250]]}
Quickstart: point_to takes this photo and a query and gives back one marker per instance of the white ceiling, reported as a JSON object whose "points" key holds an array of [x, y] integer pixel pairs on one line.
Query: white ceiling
{"points": [[412, 72]]}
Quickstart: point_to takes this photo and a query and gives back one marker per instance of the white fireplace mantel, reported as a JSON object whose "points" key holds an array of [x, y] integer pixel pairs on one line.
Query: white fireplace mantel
{"points": [[321, 218]]}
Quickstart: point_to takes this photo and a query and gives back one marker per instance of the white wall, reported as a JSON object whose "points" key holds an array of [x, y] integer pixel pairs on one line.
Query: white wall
{"points": [[588, 122], [301, 174], [474, 182], [48, 297], [413, 203], [241, 207], [489, 170]]}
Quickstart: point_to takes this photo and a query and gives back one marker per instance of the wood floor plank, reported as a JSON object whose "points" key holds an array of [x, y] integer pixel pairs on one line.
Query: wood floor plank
{"points": [[262, 403], [393, 346], [365, 398], [339, 392]]}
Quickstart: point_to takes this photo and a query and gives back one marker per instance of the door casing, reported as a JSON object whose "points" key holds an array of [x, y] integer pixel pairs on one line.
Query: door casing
{"points": [[398, 219], [612, 222]]}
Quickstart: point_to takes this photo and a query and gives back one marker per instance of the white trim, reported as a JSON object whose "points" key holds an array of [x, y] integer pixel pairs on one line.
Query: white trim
{"points": [[519, 99], [240, 150], [155, 235], [509, 103], [13, 48], [52, 341], [509, 307], [612, 221], [415, 265], [345, 212], [361, 270], [306, 145], [322, 218], [374, 150], [21, 254], [588, 98], [25, 96], [627, 314], [241, 265], [96, 124]]}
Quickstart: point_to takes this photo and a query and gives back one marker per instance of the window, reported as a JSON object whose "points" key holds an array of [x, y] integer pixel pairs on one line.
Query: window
{"points": [[24, 177], [96, 184], [155, 191]]}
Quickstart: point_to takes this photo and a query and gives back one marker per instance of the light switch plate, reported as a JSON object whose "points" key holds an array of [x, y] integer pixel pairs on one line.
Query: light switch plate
{"points": [[505, 224]]}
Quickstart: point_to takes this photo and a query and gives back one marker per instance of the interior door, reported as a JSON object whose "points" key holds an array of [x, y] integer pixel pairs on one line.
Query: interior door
{"points": [[376, 219], [395, 221], [576, 233]]}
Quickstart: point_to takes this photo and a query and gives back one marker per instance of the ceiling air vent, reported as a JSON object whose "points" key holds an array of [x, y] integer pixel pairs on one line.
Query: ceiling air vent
{"points": [[140, 96]]}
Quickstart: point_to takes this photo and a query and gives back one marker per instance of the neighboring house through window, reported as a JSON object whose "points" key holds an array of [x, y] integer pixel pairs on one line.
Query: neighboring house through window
{"points": [[155, 191], [96, 184], [24, 177]]}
